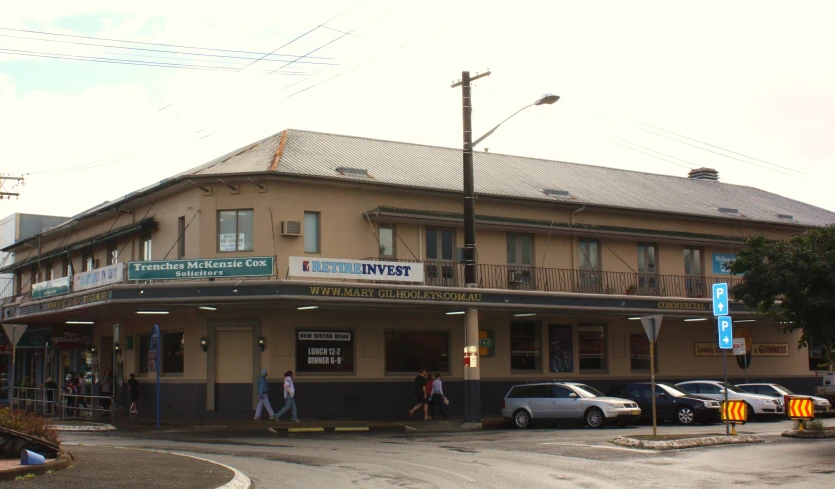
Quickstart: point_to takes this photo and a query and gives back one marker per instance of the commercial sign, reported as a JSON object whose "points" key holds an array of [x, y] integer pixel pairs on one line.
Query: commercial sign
{"points": [[757, 350], [721, 262], [403, 294], [356, 269], [75, 301], [201, 268], [325, 351], [51, 288], [486, 343], [112, 274]]}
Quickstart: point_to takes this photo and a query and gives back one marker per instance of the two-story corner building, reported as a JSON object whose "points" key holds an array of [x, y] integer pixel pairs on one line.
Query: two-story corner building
{"points": [[255, 260]]}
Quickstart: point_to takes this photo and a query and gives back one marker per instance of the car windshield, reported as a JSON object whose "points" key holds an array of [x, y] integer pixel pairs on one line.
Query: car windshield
{"points": [[588, 391], [732, 388], [673, 390], [782, 390]]}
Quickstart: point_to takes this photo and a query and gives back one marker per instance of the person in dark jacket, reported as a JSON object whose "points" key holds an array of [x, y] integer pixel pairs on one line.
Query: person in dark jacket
{"points": [[135, 389]]}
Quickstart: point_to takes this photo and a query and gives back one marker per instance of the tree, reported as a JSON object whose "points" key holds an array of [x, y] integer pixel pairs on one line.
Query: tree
{"points": [[793, 282]]}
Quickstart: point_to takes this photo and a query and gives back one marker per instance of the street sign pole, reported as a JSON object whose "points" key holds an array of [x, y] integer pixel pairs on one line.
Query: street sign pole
{"points": [[652, 324], [14, 332], [725, 375], [725, 336]]}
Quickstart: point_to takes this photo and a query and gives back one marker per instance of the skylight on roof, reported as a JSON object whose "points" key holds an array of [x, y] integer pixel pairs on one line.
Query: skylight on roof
{"points": [[787, 217], [346, 170], [728, 210], [557, 193]]}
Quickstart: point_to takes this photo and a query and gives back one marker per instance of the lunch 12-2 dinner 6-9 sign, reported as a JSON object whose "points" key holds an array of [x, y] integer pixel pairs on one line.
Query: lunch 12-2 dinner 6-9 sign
{"points": [[325, 351]]}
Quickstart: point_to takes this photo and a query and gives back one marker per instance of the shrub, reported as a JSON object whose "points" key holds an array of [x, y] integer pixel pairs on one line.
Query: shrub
{"points": [[29, 424], [816, 425]]}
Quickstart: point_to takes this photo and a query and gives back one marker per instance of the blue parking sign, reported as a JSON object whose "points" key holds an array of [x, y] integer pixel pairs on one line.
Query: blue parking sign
{"points": [[726, 332], [720, 299]]}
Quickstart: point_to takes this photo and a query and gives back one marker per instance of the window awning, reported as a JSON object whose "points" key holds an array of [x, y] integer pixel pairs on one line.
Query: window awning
{"points": [[140, 227]]}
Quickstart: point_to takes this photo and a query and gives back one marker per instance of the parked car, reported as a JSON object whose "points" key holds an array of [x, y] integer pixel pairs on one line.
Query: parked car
{"points": [[758, 405], [822, 406], [561, 401], [827, 388], [671, 403]]}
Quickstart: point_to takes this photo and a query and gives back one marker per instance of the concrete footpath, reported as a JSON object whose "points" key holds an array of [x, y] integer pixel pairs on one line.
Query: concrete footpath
{"points": [[250, 426], [124, 468]]}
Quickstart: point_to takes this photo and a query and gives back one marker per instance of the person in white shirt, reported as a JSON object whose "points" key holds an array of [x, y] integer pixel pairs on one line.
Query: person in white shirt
{"points": [[438, 398], [289, 398]]}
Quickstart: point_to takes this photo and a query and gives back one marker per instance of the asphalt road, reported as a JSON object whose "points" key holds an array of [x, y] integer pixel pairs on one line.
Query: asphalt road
{"points": [[561, 457]]}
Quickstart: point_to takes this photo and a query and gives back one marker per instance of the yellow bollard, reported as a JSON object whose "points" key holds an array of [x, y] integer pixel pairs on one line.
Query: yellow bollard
{"points": [[733, 428], [801, 426]]}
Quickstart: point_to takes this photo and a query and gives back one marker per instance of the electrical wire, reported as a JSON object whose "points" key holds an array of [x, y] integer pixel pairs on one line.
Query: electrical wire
{"points": [[650, 154], [693, 165]]}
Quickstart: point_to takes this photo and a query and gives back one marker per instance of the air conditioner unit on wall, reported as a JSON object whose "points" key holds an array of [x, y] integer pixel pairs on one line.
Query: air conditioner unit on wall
{"points": [[291, 228]]}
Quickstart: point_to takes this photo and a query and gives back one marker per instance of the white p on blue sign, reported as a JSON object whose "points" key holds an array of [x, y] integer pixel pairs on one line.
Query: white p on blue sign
{"points": [[726, 332], [720, 299]]}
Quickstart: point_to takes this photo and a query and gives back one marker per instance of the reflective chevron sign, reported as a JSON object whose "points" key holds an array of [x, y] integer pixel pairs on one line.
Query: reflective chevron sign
{"points": [[734, 411], [801, 408]]}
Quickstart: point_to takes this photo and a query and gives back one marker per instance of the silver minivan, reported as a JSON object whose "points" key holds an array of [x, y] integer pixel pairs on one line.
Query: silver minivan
{"points": [[561, 401]]}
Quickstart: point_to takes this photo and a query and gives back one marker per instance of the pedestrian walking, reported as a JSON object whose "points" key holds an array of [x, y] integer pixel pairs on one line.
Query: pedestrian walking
{"points": [[263, 398], [430, 405], [135, 389], [106, 388], [438, 397], [420, 395], [289, 398]]}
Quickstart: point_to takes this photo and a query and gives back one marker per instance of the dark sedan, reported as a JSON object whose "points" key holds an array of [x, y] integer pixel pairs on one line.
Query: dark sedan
{"points": [[671, 403]]}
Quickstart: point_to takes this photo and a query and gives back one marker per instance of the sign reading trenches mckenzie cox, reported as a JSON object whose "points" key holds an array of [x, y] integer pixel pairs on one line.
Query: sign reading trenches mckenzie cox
{"points": [[202, 268]]}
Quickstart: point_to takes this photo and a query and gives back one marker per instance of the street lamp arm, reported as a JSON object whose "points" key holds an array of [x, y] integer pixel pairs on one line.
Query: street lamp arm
{"points": [[491, 131]]}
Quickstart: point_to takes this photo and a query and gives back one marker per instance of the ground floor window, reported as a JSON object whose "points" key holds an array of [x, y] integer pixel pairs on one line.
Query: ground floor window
{"points": [[639, 358], [525, 347], [171, 355], [816, 358], [592, 348], [142, 359], [325, 351], [409, 351]]}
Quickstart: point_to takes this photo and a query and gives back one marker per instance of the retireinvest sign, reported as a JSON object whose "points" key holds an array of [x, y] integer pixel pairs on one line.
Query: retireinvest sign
{"points": [[304, 267], [201, 268]]}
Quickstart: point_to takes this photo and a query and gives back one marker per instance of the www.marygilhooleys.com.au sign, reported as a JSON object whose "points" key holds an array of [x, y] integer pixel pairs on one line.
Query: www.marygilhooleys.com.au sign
{"points": [[356, 269], [202, 268]]}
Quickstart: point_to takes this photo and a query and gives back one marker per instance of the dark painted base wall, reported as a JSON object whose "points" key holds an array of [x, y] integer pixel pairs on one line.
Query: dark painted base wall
{"points": [[353, 400]]}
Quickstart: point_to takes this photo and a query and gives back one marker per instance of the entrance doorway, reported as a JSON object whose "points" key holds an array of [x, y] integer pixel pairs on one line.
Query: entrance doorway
{"points": [[234, 368]]}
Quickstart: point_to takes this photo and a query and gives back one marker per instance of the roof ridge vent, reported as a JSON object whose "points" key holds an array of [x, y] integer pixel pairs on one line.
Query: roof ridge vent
{"points": [[708, 174], [551, 192], [347, 170]]}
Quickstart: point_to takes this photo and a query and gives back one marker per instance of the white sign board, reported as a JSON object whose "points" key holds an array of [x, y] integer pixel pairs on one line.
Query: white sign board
{"points": [[739, 346], [227, 242], [652, 325], [304, 267], [111, 274]]}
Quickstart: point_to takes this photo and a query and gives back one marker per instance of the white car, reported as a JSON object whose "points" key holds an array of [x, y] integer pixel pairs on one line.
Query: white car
{"points": [[758, 405], [778, 391]]}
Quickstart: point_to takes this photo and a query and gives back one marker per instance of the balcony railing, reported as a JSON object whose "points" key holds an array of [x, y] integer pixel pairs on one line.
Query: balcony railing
{"points": [[510, 277]]}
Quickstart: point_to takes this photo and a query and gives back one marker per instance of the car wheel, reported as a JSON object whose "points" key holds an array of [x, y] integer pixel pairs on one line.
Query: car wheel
{"points": [[685, 415], [749, 413], [595, 418], [521, 419]]}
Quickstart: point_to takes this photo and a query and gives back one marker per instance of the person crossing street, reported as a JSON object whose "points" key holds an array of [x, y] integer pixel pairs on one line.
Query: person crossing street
{"points": [[263, 397]]}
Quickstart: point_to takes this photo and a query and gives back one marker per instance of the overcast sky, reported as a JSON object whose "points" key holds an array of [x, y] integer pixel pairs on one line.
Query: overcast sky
{"points": [[755, 78]]}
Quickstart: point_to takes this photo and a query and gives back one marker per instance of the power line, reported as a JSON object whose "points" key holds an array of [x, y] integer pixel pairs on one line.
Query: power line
{"points": [[142, 43], [311, 52], [111, 46], [650, 154], [693, 165], [727, 150]]}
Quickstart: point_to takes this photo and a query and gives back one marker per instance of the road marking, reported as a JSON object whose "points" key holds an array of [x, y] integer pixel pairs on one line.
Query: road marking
{"points": [[305, 430], [625, 449], [351, 428], [431, 468]]}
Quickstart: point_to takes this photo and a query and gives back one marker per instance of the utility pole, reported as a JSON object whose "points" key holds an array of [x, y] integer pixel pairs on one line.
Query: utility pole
{"points": [[8, 195], [472, 371]]}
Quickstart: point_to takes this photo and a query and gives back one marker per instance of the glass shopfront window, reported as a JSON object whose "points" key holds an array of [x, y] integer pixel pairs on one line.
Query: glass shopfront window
{"points": [[409, 351]]}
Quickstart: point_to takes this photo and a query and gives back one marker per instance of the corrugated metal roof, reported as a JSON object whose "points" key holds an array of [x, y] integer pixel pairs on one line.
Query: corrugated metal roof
{"points": [[319, 154]]}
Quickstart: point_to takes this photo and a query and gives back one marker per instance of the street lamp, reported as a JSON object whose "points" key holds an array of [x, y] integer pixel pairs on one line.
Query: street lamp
{"points": [[472, 374]]}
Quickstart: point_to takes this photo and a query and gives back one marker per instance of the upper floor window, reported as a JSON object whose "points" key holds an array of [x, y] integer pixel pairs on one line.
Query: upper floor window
{"points": [[88, 263], [145, 250], [50, 272], [67, 266], [589, 254], [647, 258], [312, 242], [440, 244], [112, 253], [386, 236], [520, 250], [181, 237], [692, 261], [235, 230]]}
